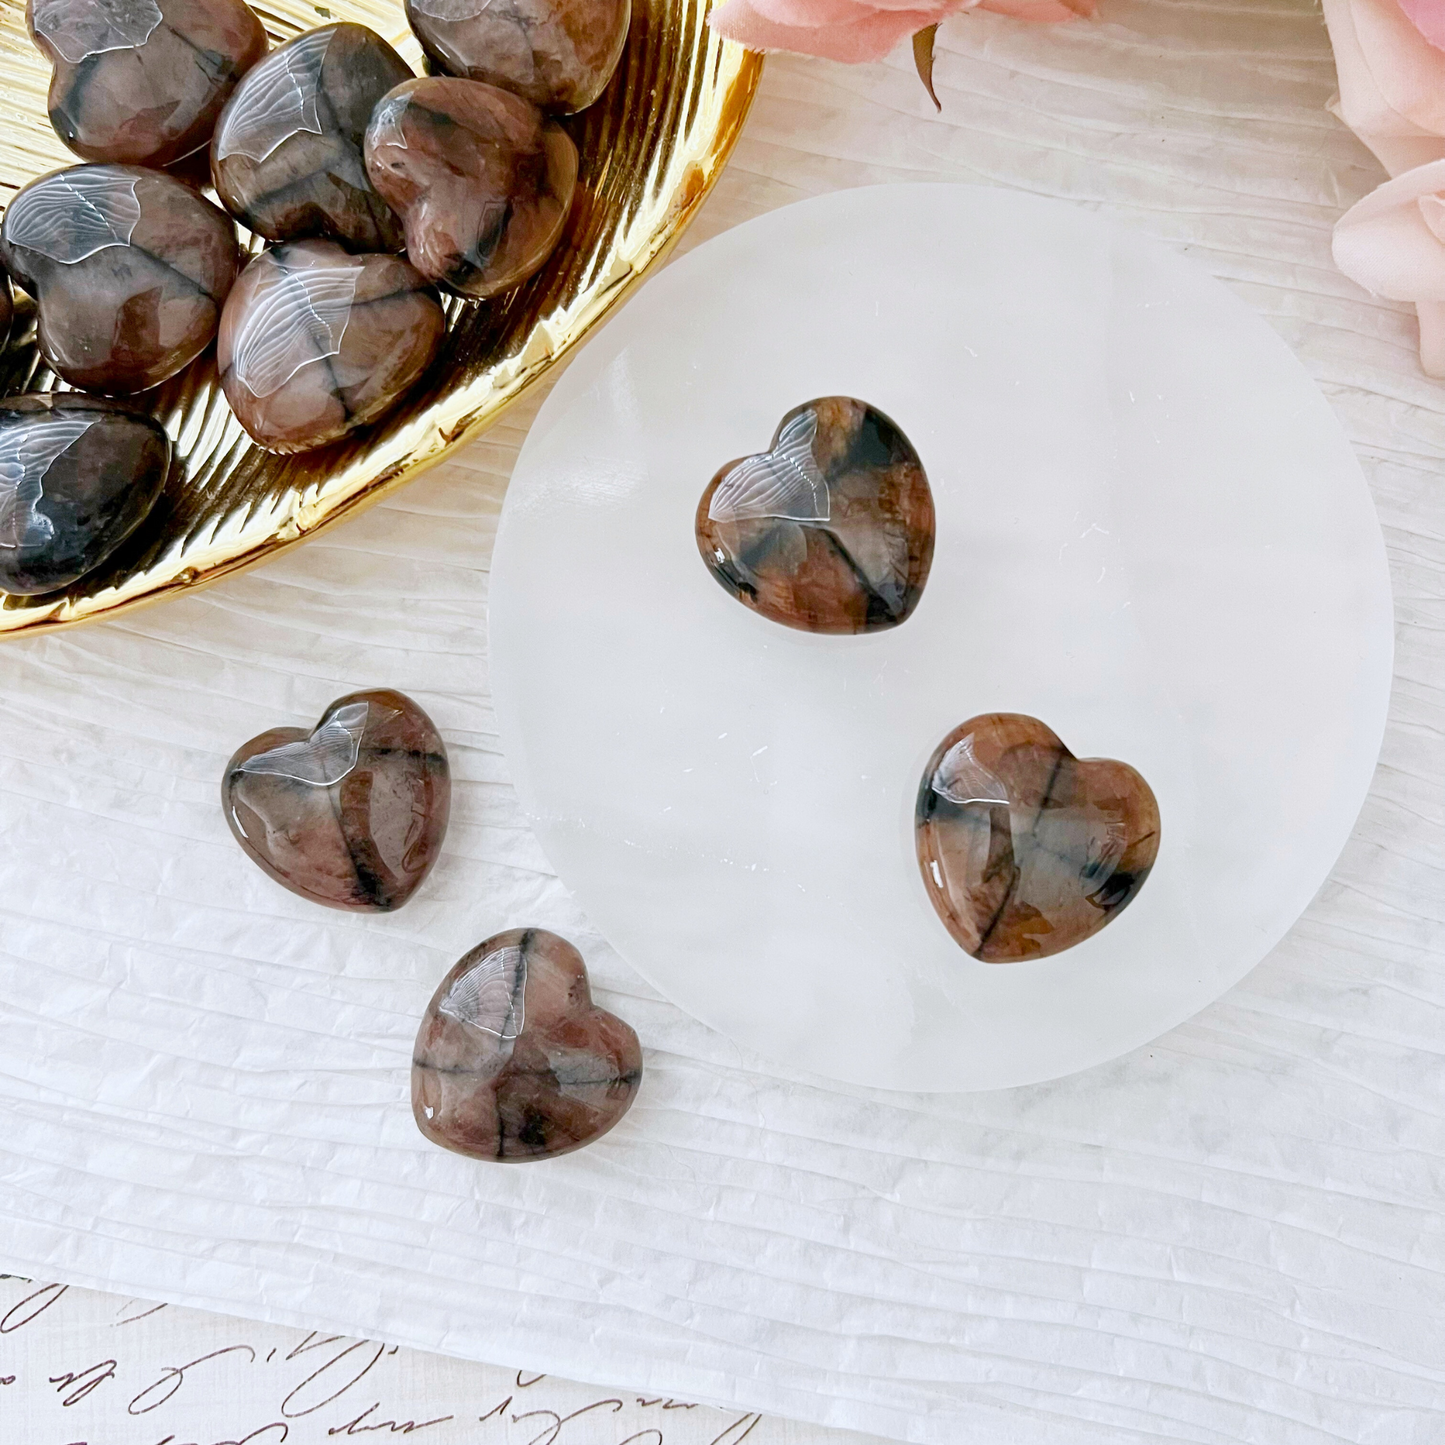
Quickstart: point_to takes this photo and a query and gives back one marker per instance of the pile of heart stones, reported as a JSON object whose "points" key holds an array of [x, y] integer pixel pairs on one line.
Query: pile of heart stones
{"points": [[513, 1060], [1025, 849], [375, 188]]}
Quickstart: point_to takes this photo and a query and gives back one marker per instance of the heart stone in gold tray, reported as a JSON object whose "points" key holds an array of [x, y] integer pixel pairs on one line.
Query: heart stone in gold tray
{"points": [[651, 148]]}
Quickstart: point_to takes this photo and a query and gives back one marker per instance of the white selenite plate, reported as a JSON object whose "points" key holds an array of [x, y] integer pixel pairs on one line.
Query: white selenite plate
{"points": [[1152, 535]]}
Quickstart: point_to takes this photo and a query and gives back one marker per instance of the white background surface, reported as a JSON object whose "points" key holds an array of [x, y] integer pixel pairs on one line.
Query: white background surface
{"points": [[1152, 534], [1231, 1235]]}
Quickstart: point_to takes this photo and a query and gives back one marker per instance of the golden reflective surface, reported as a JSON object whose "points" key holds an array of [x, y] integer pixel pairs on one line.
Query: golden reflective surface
{"points": [[651, 148]]}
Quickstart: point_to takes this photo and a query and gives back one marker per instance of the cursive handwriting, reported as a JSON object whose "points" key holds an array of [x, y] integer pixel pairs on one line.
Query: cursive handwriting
{"points": [[367, 1355], [550, 1432], [306, 1388], [31, 1307], [85, 1381], [174, 1376], [356, 1427]]}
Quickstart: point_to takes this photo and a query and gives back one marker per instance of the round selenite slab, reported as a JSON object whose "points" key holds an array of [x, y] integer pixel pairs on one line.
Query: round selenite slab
{"points": [[1151, 534]]}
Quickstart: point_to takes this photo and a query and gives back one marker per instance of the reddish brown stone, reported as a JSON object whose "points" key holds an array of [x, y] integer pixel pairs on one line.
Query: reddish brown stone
{"points": [[481, 179], [316, 342], [287, 154], [831, 530], [128, 268], [1025, 849], [352, 813], [559, 54], [514, 1061], [141, 82], [77, 476]]}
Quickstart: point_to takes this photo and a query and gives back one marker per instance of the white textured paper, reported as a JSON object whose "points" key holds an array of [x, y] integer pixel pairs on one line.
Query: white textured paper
{"points": [[1232, 1235]]}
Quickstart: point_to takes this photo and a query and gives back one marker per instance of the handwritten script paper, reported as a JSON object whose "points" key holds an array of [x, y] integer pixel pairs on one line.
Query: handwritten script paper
{"points": [[82, 1368]]}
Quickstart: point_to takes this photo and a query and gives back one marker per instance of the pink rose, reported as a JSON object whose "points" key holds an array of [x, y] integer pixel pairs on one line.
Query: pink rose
{"points": [[856, 30], [1392, 76], [1393, 243], [1428, 17]]}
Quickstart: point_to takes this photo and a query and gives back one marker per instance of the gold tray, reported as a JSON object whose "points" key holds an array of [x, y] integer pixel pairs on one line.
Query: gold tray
{"points": [[651, 149]]}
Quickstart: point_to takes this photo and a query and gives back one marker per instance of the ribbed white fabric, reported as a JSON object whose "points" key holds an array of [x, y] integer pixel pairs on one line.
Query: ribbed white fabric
{"points": [[1234, 1234]]}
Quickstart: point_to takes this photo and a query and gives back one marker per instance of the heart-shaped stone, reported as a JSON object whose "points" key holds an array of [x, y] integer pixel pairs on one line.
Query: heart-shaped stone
{"points": [[351, 814], [514, 1061], [7, 308], [286, 157], [829, 530], [559, 54], [77, 476], [128, 267], [481, 179], [1025, 849], [141, 82], [316, 342]]}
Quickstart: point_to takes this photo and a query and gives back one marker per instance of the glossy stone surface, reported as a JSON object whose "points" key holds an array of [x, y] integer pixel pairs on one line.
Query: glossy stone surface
{"points": [[316, 342], [286, 157], [77, 476], [1025, 849], [830, 530], [128, 268], [514, 1061], [481, 179], [352, 813], [141, 82], [7, 308], [559, 54]]}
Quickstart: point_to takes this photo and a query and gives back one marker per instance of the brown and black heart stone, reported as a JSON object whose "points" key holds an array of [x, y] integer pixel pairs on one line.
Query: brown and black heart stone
{"points": [[1025, 849], [831, 529], [7, 308], [514, 1061], [559, 54], [129, 269], [482, 180], [77, 476], [315, 342], [286, 157], [141, 82], [352, 813]]}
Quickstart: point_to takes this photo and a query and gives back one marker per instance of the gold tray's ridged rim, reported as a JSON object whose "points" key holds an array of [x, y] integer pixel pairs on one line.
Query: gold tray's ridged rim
{"points": [[647, 170]]}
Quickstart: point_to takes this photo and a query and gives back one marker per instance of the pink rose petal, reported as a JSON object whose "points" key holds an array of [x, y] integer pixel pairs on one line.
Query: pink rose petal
{"points": [[1049, 12], [857, 30], [870, 37], [833, 14], [1392, 82], [1387, 245], [1432, 337], [1428, 17]]}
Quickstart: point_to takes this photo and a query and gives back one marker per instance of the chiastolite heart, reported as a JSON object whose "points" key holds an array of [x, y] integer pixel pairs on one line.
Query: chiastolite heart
{"points": [[830, 529], [514, 1061], [1027, 850], [351, 814]]}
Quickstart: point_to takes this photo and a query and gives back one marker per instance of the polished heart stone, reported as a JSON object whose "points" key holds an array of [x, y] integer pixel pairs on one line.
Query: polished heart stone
{"points": [[316, 342], [1025, 849], [287, 154], [141, 82], [351, 814], [128, 267], [481, 179], [831, 529], [77, 476], [559, 54], [514, 1061]]}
